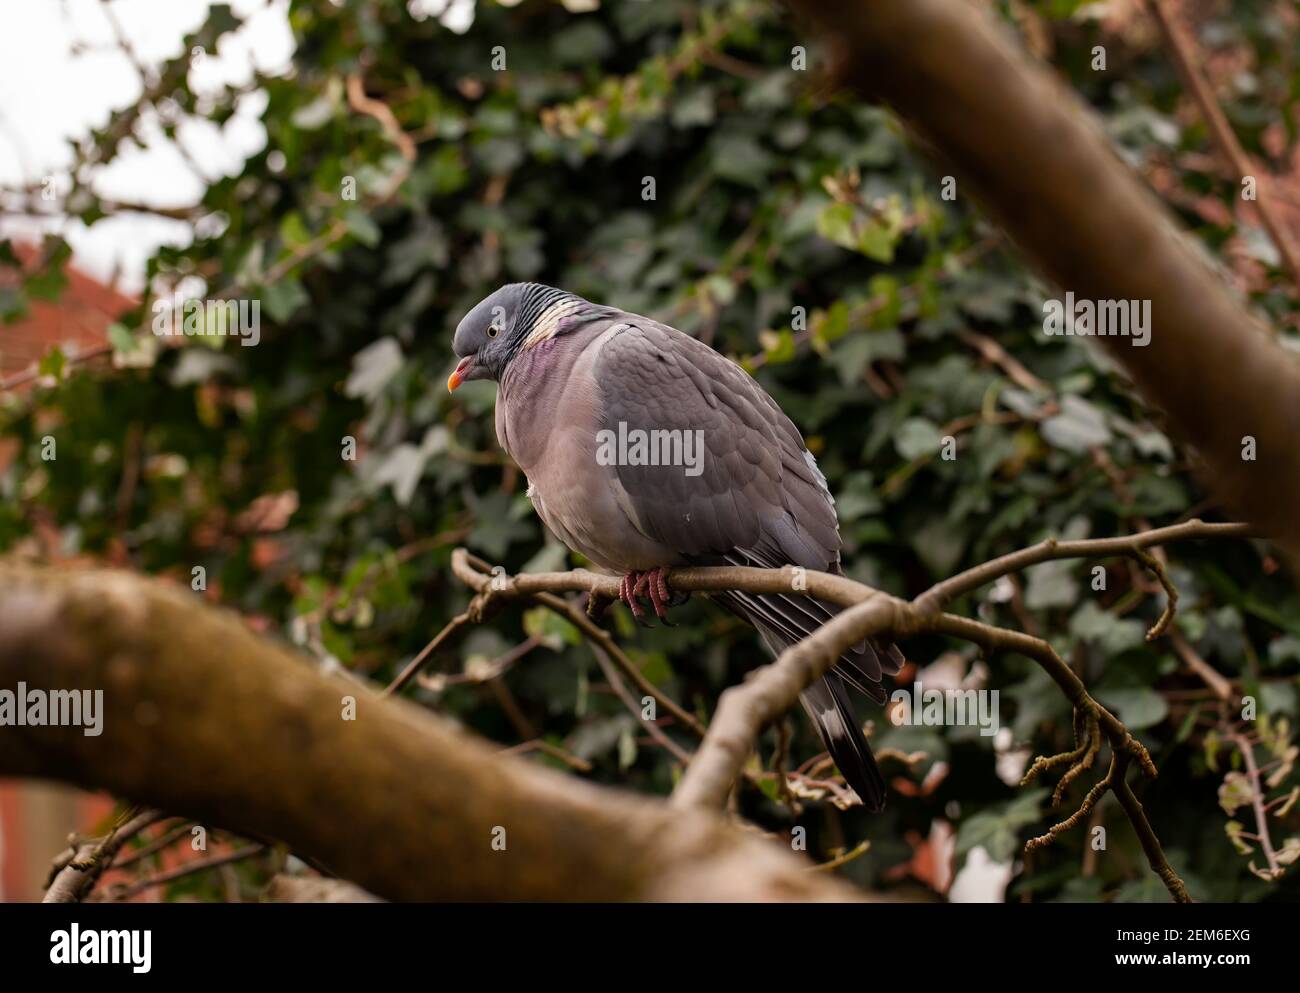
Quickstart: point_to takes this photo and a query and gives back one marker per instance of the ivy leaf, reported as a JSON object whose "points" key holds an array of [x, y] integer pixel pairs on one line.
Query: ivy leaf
{"points": [[835, 223], [131, 351], [626, 748], [283, 299], [940, 544], [1234, 792], [876, 241], [1038, 700], [997, 830], [497, 528], [121, 338], [595, 737], [363, 227], [1114, 635], [1050, 584], [401, 468], [917, 437], [778, 346], [830, 325], [854, 353], [47, 284], [372, 368], [550, 628], [53, 363], [1078, 427], [1138, 707]]}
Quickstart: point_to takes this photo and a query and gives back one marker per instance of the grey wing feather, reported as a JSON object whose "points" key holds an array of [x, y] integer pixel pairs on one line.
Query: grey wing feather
{"points": [[757, 484]]}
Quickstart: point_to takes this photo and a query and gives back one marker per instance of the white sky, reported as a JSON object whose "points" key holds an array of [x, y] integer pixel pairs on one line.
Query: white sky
{"points": [[48, 95]]}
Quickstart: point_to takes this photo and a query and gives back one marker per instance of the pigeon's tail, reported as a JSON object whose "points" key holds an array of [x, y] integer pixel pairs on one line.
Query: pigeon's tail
{"points": [[783, 621], [827, 703]]}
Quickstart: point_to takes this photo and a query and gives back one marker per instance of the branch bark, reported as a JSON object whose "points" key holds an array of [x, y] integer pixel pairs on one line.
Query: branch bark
{"points": [[1036, 157], [86, 862], [204, 718]]}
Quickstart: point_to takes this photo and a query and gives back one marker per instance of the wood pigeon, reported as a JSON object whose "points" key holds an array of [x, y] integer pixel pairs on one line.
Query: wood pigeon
{"points": [[646, 449]]}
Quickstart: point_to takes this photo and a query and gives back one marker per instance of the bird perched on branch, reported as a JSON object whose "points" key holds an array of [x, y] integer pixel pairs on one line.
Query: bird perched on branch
{"points": [[646, 449]]}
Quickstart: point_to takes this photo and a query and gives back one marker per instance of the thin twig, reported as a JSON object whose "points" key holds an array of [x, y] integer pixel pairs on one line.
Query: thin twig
{"points": [[1257, 803], [843, 859], [77, 874], [603, 659], [620, 658], [1218, 684], [1183, 48], [554, 751], [164, 840], [417, 663], [127, 891], [942, 593]]}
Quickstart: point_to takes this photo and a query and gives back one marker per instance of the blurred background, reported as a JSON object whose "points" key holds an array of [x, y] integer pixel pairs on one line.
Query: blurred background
{"points": [[365, 170]]}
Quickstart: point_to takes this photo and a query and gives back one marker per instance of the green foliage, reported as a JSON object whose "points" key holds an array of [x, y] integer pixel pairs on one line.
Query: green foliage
{"points": [[771, 196]]}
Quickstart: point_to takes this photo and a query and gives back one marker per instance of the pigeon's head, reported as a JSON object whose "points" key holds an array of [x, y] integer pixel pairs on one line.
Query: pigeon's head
{"points": [[516, 316]]}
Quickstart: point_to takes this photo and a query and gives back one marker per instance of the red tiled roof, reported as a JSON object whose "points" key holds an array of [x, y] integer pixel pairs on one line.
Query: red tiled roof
{"points": [[78, 320]]}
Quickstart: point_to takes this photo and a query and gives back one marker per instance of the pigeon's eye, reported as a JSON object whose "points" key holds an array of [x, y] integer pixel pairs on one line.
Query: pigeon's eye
{"points": [[492, 330]]}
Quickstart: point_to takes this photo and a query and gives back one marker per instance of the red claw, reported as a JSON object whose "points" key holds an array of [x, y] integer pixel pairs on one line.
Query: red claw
{"points": [[651, 583]]}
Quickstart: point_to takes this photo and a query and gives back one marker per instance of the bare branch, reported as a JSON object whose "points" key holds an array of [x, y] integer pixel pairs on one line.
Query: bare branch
{"points": [[1187, 58], [416, 664], [1244, 746], [87, 862], [1146, 836], [703, 579], [769, 691], [205, 718], [1216, 681], [127, 890], [941, 594]]}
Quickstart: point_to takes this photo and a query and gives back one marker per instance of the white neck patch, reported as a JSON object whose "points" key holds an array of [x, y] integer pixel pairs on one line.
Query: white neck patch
{"points": [[549, 321]]}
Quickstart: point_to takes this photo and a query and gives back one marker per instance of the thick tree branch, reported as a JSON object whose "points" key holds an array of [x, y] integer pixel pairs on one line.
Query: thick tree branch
{"points": [[1038, 160], [205, 718]]}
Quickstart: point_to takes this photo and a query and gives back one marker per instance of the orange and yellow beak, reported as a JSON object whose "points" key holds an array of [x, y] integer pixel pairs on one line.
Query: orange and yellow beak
{"points": [[458, 374]]}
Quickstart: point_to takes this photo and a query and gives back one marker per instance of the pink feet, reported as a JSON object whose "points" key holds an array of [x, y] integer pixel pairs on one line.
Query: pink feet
{"points": [[653, 584]]}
